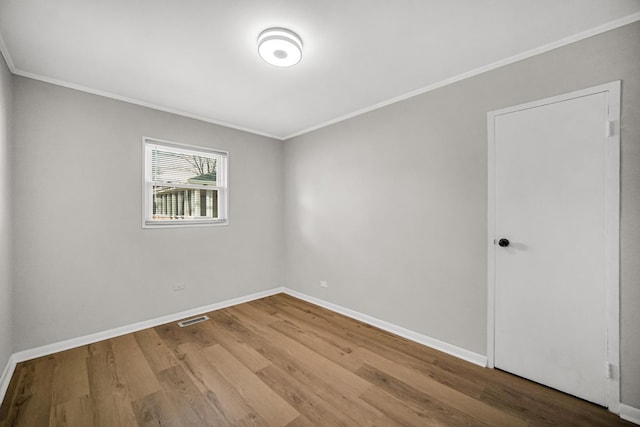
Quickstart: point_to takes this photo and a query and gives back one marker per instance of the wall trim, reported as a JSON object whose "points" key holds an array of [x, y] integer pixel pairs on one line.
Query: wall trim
{"points": [[19, 72], [461, 353], [44, 350], [612, 25], [5, 53], [629, 19], [630, 413], [627, 412], [7, 373]]}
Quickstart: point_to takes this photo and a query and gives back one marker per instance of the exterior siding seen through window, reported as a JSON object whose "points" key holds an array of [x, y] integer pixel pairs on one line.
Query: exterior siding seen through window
{"points": [[183, 185]]}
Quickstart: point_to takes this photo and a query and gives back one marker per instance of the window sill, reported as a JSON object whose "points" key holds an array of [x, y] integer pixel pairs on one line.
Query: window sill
{"points": [[184, 224]]}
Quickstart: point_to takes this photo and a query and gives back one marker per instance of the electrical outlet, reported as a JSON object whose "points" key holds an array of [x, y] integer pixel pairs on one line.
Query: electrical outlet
{"points": [[178, 287], [324, 284]]}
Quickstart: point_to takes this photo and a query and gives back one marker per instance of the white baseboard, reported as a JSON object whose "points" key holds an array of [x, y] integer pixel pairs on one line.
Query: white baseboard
{"points": [[21, 356], [453, 350], [7, 373], [45, 350], [629, 413]]}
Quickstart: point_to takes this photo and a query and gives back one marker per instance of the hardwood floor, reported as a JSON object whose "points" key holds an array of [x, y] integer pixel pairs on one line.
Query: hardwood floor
{"points": [[277, 361]]}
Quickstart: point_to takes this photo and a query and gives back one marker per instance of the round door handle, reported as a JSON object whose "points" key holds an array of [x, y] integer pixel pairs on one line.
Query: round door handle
{"points": [[503, 243]]}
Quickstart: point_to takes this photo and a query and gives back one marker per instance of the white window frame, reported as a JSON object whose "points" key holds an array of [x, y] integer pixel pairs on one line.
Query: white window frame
{"points": [[222, 169]]}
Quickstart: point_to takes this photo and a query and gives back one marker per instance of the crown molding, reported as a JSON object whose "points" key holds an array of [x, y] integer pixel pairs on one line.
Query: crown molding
{"points": [[5, 54], [62, 83], [510, 60], [501, 63]]}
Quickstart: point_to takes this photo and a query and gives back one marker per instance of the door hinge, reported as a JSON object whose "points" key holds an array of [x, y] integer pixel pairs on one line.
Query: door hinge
{"points": [[610, 128], [609, 370]]}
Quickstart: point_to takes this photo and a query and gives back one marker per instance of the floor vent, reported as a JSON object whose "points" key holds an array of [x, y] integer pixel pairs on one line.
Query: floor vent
{"points": [[193, 321]]}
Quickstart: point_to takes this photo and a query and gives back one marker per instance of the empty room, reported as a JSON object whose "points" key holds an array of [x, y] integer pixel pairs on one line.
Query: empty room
{"points": [[319, 213]]}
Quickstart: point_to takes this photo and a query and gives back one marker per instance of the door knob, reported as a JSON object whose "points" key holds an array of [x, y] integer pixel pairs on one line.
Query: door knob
{"points": [[503, 243]]}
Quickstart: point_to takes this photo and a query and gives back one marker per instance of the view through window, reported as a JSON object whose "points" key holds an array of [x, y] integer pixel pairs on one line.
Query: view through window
{"points": [[184, 185]]}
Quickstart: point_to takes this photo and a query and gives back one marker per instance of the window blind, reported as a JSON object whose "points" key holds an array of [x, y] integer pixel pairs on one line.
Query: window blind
{"points": [[184, 185], [174, 167]]}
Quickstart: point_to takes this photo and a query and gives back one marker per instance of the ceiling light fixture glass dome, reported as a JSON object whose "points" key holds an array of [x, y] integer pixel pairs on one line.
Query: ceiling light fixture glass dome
{"points": [[280, 47]]}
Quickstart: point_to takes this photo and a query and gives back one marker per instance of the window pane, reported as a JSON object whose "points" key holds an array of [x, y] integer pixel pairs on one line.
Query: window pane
{"points": [[183, 168], [174, 203], [184, 185]]}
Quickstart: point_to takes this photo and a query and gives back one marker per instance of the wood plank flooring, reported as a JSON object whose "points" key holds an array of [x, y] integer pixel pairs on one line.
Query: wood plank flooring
{"points": [[277, 361]]}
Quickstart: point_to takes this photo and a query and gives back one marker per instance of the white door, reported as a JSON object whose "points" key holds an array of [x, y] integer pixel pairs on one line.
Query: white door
{"points": [[550, 268]]}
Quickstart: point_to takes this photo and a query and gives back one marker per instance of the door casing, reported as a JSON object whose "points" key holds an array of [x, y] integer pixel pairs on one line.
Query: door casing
{"points": [[612, 230]]}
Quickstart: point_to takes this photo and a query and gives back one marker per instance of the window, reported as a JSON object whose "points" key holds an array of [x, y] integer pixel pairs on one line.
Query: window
{"points": [[183, 185]]}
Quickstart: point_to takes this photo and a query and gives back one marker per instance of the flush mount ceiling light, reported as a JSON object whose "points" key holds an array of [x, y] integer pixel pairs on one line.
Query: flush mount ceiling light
{"points": [[280, 47]]}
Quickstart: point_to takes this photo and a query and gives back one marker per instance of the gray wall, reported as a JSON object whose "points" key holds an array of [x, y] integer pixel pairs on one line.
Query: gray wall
{"points": [[6, 289], [390, 207], [82, 262]]}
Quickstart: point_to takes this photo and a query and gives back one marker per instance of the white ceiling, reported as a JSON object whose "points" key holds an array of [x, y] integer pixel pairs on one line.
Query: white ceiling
{"points": [[199, 57]]}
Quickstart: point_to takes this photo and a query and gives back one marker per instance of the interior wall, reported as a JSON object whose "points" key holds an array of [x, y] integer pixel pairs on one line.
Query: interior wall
{"points": [[82, 261], [6, 286], [390, 207]]}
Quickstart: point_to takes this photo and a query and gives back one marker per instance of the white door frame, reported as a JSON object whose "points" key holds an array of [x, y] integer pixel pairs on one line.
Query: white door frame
{"points": [[612, 231]]}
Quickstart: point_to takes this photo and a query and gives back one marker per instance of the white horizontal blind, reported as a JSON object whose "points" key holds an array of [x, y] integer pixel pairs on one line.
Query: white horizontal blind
{"points": [[184, 185], [171, 167]]}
